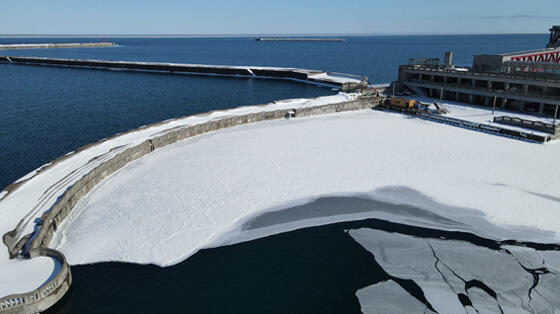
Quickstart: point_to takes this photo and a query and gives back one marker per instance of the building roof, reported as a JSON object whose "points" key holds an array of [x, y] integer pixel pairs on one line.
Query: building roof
{"points": [[529, 52]]}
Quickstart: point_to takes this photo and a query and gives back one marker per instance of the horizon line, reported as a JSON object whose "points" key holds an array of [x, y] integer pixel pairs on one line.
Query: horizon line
{"points": [[139, 35]]}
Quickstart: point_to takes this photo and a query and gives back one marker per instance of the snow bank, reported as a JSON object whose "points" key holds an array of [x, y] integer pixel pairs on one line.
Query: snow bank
{"points": [[168, 205]]}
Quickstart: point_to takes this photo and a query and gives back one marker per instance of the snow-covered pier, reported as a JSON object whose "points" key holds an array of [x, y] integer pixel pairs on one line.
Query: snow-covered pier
{"points": [[345, 82], [57, 45]]}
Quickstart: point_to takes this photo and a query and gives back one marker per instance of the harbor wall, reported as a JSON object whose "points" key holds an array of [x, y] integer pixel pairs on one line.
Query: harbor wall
{"points": [[353, 82]]}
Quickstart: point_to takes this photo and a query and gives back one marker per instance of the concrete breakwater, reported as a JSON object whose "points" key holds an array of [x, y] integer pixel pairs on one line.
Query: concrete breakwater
{"points": [[37, 243], [345, 82], [302, 39], [57, 45]]}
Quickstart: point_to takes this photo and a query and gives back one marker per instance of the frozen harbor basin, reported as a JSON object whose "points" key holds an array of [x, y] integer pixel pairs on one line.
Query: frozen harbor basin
{"points": [[166, 206]]}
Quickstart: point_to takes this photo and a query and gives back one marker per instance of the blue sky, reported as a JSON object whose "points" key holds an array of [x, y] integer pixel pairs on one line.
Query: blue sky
{"points": [[276, 17]]}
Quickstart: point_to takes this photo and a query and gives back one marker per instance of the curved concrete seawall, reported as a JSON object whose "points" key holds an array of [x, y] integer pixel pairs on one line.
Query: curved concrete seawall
{"points": [[37, 243]]}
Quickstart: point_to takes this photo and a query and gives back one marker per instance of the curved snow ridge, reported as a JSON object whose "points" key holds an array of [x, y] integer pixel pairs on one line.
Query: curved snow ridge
{"points": [[199, 192]]}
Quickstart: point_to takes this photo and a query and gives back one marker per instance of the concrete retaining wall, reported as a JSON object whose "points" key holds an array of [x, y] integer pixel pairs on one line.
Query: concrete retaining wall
{"points": [[50, 293]]}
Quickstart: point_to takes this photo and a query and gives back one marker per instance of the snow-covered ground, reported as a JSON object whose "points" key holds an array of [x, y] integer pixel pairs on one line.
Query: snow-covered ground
{"points": [[48, 182], [165, 207]]}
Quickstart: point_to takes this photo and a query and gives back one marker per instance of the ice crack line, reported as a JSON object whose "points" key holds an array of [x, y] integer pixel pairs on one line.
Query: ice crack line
{"points": [[536, 273], [468, 284]]}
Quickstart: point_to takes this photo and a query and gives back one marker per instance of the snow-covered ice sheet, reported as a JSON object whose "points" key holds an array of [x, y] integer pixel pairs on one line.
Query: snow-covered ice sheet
{"points": [[166, 206], [47, 183]]}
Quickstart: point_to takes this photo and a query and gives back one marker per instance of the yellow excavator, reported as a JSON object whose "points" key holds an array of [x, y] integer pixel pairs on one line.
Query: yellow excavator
{"points": [[407, 105]]}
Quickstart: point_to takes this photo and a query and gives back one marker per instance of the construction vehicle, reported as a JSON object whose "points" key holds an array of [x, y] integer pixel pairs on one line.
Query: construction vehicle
{"points": [[407, 105]]}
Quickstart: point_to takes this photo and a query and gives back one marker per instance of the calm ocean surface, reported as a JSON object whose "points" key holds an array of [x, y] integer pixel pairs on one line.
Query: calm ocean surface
{"points": [[46, 112]]}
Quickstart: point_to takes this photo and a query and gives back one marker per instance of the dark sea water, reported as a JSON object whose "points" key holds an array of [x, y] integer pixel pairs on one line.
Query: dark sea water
{"points": [[47, 112]]}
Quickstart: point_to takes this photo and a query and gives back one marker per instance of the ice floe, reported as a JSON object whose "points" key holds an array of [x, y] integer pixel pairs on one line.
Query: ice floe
{"points": [[389, 297], [459, 276]]}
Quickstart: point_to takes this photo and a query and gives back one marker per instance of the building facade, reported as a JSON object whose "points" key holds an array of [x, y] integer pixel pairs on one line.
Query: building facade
{"points": [[527, 81]]}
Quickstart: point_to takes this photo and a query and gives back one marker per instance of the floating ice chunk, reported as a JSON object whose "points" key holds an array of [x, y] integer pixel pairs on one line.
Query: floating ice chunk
{"points": [[527, 257], [552, 260], [389, 297], [483, 302], [496, 269], [483, 279], [409, 257]]}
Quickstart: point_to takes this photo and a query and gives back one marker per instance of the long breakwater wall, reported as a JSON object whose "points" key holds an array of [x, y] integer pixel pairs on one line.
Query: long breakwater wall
{"points": [[57, 45], [301, 39], [345, 82], [38, 243]]}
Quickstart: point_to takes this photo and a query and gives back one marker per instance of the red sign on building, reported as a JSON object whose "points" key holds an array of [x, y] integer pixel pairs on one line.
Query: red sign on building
{"points": [[550, 57]]}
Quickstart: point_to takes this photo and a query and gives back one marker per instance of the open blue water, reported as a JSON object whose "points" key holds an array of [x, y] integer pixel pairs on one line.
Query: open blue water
{"points": [[46, 112]]}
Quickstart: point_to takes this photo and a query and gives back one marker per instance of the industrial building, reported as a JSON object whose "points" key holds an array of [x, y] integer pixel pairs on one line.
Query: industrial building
{"points": [[526, 81]]}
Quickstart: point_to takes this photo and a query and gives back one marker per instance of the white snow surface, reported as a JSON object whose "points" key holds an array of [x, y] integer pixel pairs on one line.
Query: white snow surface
{"points": [[45, 184], [338, 78], [17, 276], [166, 206]]}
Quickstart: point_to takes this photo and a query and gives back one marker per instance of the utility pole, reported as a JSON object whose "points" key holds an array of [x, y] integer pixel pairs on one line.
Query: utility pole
{"points": [[441, 96], [494, 106]]}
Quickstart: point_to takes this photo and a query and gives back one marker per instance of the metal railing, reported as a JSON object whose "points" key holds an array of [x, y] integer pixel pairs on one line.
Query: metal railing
{"points": [[529, 124], [478, 74]]}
